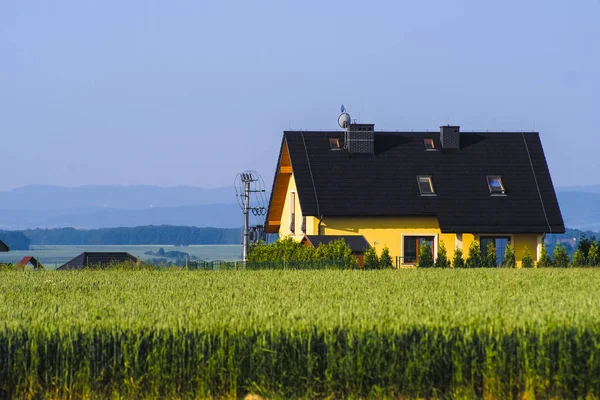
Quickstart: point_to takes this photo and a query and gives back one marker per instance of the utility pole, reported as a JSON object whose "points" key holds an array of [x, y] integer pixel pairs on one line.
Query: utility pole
{"points": [[246, 179]]}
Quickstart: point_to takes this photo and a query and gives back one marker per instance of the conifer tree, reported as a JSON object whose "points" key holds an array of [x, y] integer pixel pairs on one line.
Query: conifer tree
{"points": [[457, 260], [579, 259], [544, 261], [425, 256], [385, 261], [527, 260], [509, 257], [560, 257], [442, 257], [371, 259], [475, 259], [593, 259], [490, 256]]}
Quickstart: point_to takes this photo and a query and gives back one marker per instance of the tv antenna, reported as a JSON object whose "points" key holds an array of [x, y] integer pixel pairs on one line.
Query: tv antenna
{"points": [[251, 197]]}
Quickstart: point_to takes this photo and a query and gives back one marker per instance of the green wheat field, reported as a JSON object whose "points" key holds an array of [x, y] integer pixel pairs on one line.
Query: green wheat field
{"points": [[300, 334]]}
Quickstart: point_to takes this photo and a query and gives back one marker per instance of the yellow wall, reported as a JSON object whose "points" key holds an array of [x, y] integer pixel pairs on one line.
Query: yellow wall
{"points": [[284, 229]]}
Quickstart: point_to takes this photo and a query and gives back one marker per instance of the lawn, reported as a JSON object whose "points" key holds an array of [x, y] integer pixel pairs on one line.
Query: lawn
{"points": [[496, 333]]}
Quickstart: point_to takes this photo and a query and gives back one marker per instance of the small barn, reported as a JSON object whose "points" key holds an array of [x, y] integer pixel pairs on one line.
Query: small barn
{"points": [[358, 244], [97, 259], [29, 260], [3, 247]]}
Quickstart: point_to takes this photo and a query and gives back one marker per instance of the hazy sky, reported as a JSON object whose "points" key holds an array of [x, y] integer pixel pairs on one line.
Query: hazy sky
{"points": [[192, 92]]}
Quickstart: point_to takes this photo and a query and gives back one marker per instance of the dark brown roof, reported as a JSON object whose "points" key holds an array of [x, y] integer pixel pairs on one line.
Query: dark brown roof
{"points": [[97, 259], [334, 183], [357, 243], [3, 247], [29, 259]]}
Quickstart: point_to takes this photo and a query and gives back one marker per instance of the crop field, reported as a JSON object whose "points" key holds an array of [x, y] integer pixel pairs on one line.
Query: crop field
{"points": [[489, 333]]}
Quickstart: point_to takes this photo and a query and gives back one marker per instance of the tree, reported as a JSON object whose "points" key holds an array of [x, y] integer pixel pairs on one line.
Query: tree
{"points": [[425, 256], [544, 261], [371, 260], [527, 260], [457, 261], [475, 259], [385, 261], [442, 257], [579, 259], [509, 257], [561, 257], [161, 252], [490, 255], [584, 243], [593, 259]]}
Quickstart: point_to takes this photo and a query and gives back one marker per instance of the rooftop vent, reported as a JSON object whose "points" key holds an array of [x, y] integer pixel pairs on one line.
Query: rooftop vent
{"points": [[450, 137], [360, 139]]}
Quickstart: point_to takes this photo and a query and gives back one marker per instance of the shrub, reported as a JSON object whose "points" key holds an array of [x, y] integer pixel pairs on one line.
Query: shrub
{"points": [[475, 259], [579, 259], [457, 260], [560, 256], [371, 260], [544, 261], [490, 255], [442, 257], [425, 256], [527, 260], [509, 257], [385, 261], [593, 259]]}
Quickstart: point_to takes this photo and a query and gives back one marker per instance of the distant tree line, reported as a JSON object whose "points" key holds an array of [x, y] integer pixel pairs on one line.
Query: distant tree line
{"points": [[15, 240], [163, 234]]}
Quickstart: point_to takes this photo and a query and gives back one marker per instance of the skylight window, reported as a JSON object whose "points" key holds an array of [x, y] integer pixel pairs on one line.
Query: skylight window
{"points": [[495, 185], [425, 185], [429, 144], [334, 143]]}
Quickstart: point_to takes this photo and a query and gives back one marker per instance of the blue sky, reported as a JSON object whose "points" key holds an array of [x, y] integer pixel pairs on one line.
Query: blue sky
{"points": [[192, 92]]}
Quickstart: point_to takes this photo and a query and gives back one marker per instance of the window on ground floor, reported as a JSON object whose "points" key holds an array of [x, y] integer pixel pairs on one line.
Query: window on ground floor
{"points": [[500, 243], [412, 246]]}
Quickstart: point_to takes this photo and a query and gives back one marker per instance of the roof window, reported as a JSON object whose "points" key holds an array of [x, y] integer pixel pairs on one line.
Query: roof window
{"points": [[495, 184], [429, 144], [334, 143], [425, 185]]}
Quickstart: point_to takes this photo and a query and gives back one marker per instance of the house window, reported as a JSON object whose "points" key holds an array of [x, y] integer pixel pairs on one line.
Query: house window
{"points": [[412, 247], [429, 144], [293, 212], [495, 185], [425, 185], [334, 143], [499, 242]]}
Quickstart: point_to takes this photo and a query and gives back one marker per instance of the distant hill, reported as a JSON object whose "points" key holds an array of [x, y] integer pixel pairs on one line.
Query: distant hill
{"points": [[213, 215], [580, 210], [89, 207], [135, 197]]}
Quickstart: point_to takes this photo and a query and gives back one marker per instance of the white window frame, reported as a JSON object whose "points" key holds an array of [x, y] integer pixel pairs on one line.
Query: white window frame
{"points": [[419, 234]]}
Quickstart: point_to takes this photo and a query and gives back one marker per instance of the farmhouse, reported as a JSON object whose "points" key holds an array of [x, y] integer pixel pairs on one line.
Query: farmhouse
{"points": [[97, 259], [402, 189], [3, 247]]}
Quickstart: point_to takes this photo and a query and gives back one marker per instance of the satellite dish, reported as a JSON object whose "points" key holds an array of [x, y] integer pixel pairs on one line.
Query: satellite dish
{"points": [[344, 120], [343, 109]]}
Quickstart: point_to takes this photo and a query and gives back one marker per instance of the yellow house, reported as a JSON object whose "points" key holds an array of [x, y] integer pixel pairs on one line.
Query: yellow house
{"points": [[401, 189]]}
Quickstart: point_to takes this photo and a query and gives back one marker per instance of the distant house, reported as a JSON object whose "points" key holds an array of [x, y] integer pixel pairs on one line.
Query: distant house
{"points": [[29, 260], [3, 247], [404, 189], [97, 259]]}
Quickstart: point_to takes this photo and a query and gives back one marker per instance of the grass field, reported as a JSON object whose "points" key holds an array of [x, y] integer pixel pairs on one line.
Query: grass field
{"points": [[498, 333], [52, 256]]}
